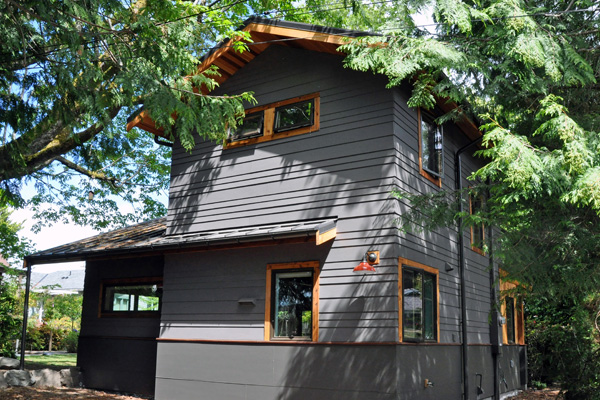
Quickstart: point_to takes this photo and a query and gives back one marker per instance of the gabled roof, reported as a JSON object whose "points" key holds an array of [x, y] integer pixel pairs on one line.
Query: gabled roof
{"points": [[266, 32], [150, 238]]}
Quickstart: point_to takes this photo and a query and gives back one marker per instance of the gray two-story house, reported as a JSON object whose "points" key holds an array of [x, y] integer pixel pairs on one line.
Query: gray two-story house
{"points": [[280, 272]]}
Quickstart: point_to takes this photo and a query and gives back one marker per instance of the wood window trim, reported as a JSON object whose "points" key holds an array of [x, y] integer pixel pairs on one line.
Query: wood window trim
{"points": [[474, 246], [436, 180], [413, 264], [269, 120], [126, 314], [519, 317], [315, 267]]}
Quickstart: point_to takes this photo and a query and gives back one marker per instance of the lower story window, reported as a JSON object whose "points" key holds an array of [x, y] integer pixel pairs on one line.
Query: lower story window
{"points": [[128, 297], [511, 308], [292, 301], [418, 302]]}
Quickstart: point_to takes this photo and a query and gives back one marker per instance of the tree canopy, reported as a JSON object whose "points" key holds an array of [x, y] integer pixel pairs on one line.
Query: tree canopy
{"points": [[528, 71], [72, 72]]}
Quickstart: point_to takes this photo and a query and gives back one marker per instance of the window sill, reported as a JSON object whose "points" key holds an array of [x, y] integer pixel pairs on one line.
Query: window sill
{"points": [[433, 179], [131, 314], [262, 139], [478, 250]]}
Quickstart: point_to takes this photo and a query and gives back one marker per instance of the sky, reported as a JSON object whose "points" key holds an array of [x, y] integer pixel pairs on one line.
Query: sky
{"points": [[51, 237]]}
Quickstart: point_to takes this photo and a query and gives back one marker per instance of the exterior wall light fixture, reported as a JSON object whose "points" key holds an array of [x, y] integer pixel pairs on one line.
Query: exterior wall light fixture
{"points": [[366, 265]]}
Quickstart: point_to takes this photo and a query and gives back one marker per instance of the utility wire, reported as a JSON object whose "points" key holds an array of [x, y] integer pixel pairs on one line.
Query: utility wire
{"points": [[98, 45]]}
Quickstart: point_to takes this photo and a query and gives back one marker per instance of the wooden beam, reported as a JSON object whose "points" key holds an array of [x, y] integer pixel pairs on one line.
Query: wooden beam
{"points": [[323, 237]]}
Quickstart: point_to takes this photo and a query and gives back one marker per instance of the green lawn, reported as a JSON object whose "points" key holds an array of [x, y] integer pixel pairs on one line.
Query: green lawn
{"points": [[55, 361]]}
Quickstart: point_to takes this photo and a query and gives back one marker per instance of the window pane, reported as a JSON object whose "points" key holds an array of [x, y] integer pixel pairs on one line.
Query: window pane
{"points": [[429, 317], [293, 304], [132, 298], [432, 153], [250, 127], [294, 116], [510, 320], [412, 304]]}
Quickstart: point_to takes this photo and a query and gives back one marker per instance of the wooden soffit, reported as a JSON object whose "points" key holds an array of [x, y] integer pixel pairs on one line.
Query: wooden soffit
{"points": [[228, 61]]}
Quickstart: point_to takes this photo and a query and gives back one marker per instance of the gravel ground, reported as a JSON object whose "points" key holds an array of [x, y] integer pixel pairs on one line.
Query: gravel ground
{"points": [[30, 393]]}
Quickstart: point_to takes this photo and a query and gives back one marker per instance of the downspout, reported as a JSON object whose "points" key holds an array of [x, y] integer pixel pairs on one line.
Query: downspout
{"points": [[27, 267], [461, 263]]}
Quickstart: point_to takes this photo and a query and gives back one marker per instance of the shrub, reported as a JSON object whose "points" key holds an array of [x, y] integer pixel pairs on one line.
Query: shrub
{"points": [[10, 321], [71, 341], [38, 337], [563, 347]]}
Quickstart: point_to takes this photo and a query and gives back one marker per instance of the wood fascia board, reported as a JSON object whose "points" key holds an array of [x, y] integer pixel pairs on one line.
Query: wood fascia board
{"points": [[467, 126], [298, 34], [144, 122], [221, 58]]}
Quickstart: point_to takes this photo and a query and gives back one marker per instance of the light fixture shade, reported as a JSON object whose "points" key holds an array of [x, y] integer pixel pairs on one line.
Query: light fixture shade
{"points": [[364, 267]]}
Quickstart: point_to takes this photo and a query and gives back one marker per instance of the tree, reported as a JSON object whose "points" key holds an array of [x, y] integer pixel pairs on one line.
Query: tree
{"points": [[528, 70], [71, 73]]}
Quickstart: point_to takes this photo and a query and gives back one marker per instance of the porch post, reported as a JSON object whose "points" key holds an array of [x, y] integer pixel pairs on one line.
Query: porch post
{"points": [[27, 267]]}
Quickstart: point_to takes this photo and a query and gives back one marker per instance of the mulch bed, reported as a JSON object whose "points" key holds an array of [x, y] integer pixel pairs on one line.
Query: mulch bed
{"points": [[542, 394], [32, 393]]}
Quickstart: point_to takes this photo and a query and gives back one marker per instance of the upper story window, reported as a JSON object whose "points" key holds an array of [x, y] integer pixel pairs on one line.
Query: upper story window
{"points": [[431, 148], [277, 120], [292, 298], [419, 302], [131, 297]]}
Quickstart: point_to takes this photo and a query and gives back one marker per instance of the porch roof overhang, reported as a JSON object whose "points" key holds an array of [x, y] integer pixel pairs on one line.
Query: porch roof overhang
{"points": [[149, 238]]}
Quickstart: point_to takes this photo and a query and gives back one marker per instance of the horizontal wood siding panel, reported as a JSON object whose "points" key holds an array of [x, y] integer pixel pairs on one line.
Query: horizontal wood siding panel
{"points": [[223, 371], [96, 271], [320, 174]]}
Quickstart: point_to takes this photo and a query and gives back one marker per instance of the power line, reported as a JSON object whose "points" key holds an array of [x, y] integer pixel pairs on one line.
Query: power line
{"points": [[556, 14]]}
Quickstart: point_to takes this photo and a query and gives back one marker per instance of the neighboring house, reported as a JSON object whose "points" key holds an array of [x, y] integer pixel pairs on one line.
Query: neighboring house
{"points": [[59, 282], [54, 284], [246, 289]]}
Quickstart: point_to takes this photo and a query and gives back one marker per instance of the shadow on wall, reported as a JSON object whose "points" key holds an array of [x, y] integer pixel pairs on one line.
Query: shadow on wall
{"points": [[191, 181], [343, 372]]}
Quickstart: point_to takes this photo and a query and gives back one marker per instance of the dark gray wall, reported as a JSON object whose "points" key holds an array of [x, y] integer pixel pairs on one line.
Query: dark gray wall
{"points": [[117, 353], [440, 247], [226, 371], [367, 145], [343, 169]]}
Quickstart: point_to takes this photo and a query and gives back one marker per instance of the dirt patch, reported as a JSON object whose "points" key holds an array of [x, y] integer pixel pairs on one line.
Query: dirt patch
{"points": [[31, 393], [543, 394]]}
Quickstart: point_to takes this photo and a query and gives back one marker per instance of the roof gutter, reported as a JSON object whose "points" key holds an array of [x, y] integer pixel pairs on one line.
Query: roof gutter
{"points": [[461, 261]]}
